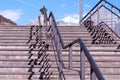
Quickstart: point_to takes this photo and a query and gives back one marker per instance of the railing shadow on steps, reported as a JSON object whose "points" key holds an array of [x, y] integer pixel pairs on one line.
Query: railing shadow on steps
{"points": [[38, 59], [99, 33], [104, 24], [53, 33]]}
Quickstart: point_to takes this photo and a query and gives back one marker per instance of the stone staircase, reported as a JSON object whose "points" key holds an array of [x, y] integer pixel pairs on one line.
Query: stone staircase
{"points": [[19, 59], [20, 45], [13, 52]]}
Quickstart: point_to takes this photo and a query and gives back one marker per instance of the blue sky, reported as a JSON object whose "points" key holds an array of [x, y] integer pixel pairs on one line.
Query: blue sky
{"points": [[22, 11]]}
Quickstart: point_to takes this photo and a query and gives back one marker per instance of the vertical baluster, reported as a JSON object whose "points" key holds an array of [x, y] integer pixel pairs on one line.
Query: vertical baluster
{"points": [[70, 57], [92, 74], [98, 16], [112, 18], [82, 57], [59, 53]]}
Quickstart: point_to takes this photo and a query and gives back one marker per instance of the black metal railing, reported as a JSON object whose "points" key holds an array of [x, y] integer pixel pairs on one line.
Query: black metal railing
{"points": [[55, 36], [106, 12]]}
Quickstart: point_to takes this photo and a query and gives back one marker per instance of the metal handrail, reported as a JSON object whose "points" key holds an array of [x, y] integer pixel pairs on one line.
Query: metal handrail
{"points": [[94, 67], [96, 6], [91, 14]]}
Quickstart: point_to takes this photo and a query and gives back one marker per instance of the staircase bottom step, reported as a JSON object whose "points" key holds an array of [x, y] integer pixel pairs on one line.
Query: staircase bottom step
{"points": [[23, 77]]}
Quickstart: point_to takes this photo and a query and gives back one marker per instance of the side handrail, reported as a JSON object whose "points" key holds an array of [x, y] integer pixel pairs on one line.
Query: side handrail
{"points": [[94, 67], [110, 11], [103, 21], [96, 6], [89, 13]]}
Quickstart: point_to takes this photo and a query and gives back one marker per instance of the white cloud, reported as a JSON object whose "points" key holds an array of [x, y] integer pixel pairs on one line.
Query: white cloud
{"points": [[33, 22], [14, 15], [63, 5], [69, 20]]}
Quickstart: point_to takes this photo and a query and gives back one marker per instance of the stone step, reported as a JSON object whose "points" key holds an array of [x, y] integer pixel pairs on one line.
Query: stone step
{"points": [[105, 70], [65, 58], [75, 64], [16, 41], [97, 52], [66, 72], [25, 48], [51, 53], [70, 33], [5, 39], [71, 28], [112, 77], [75, 46], [14, 31], [10, 36], [19, 26], [25, 75], [21, 76], [88, 42], [14, 26]]}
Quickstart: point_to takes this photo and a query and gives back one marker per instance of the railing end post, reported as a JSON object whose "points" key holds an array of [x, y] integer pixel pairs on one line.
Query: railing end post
{"points": [[70, 57]]}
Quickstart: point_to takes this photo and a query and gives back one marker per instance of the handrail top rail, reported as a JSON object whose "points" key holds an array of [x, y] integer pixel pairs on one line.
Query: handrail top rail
{"points": [[110, 10]]}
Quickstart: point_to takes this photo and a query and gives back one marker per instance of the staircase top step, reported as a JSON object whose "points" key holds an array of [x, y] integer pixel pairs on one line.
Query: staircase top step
{"points": [[15, 26]]}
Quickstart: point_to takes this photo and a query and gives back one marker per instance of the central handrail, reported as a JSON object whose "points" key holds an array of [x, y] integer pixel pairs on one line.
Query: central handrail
{"points": [[56, 36]]}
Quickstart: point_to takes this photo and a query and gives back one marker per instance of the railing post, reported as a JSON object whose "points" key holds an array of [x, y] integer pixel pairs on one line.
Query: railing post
{"points": [[92, 74], [82, 64], [112, 19], [70, 57], [98, 17], [60, 54]]}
